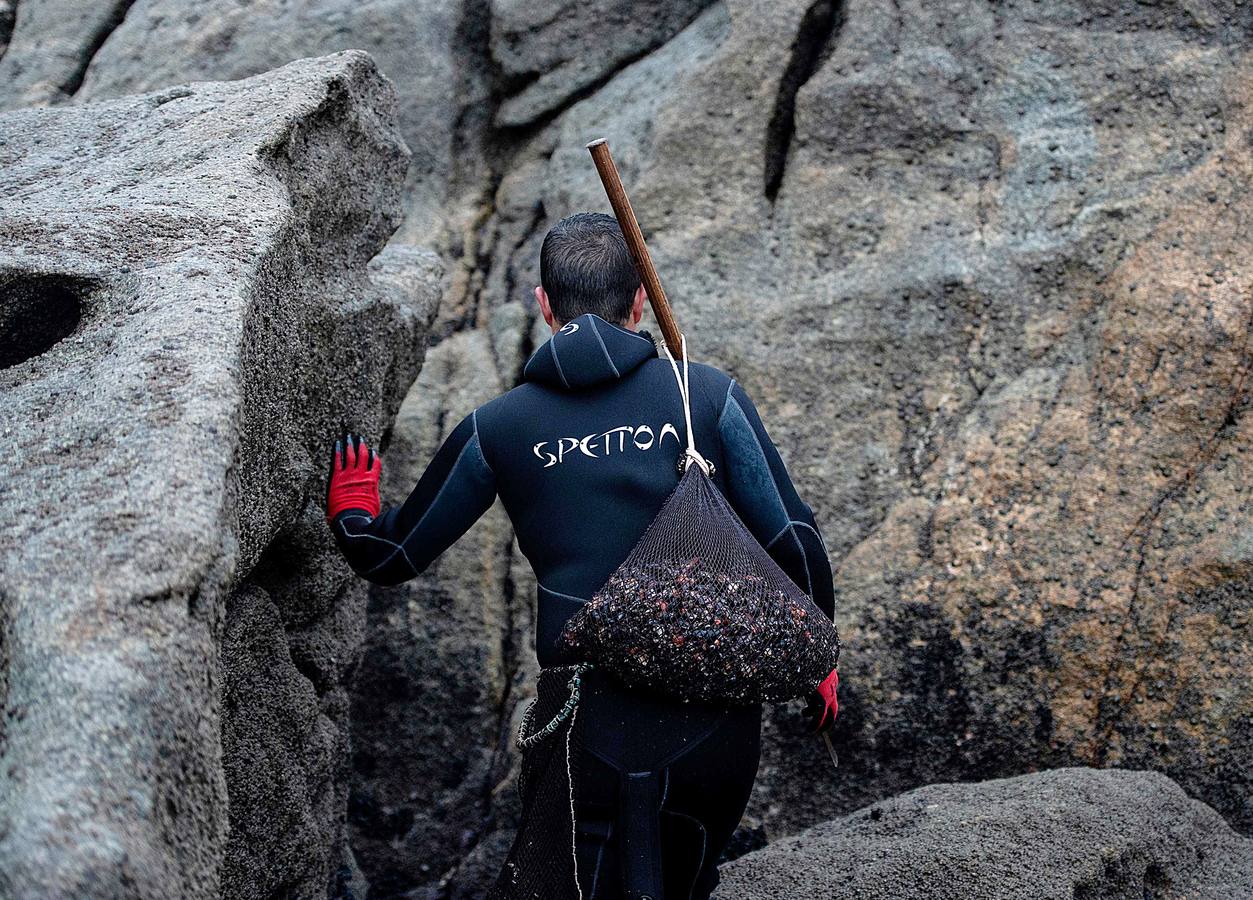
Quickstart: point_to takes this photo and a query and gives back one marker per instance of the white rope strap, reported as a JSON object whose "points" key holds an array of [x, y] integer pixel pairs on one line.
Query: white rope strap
{"points": [[685, 392]]}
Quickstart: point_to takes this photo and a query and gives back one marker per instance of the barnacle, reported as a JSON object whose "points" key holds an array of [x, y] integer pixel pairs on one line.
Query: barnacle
{"points": [[695, 631]]}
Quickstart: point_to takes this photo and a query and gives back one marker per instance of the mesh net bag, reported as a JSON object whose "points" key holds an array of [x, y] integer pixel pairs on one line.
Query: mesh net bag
{"points": [[540, 864], [699, 610]]}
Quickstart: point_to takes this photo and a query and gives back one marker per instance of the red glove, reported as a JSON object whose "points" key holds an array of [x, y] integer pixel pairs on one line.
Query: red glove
{"points": [[354, 478], [823, 700]]}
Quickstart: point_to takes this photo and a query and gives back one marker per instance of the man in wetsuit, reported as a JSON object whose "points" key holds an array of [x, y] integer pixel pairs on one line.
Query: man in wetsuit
{"points": [[583, 453]]}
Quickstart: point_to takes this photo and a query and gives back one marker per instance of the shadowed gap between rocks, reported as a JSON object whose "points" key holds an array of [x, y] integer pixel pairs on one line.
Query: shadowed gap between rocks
{"points": [[520, 134], [8, 15], [815, 40], [74, 79]]}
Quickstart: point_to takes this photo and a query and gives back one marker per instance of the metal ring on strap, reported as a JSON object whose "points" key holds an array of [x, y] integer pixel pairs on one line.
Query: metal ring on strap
{"points": [[524, 740]]}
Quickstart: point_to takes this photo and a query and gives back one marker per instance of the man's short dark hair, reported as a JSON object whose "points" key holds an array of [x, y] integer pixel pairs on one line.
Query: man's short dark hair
{"points": [[585, 267]]}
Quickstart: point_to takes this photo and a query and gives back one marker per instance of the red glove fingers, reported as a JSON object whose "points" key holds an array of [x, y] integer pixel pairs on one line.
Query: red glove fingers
{"points": [[354, 484], [828, 690]]}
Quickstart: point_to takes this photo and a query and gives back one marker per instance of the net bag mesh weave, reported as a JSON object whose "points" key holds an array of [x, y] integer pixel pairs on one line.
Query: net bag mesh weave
{"points": [[700, 610], [540, 864]]}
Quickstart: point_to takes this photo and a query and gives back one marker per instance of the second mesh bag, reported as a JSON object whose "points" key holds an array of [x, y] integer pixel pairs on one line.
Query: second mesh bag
{"points": [[699, 610]]}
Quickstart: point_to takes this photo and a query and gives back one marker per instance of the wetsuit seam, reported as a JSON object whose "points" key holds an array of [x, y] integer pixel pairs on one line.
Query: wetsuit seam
{"points": [[691, 745], [608, 760], [809, 579], [600, 340], [434, 502], [704, 391], [665, 789], [474, 416], [817, 534], [704, 842], [762, 450], [374, 537], [792, 523], [774, 539], [560, 593], [600, 858], [552, 350], [725, 403], [670, 760], [811, 528]]}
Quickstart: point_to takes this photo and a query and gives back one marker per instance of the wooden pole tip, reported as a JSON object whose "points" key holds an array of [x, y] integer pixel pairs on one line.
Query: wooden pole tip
{"points": [[595, 143]]}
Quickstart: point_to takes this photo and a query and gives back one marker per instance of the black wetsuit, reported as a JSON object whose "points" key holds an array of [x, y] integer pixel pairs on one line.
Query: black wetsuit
{"points": [[583, 454]]}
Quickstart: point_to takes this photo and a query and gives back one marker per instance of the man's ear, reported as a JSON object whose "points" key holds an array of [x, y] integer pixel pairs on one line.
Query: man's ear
{"points": [[637, 305], [545, 308]]}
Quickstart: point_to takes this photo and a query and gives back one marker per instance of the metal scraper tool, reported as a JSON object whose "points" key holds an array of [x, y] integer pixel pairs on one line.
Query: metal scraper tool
{"points": [[835, 759]]}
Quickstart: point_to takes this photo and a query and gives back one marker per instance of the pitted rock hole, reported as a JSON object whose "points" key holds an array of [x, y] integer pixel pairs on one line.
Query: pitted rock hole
{"points": [[36, 311]]}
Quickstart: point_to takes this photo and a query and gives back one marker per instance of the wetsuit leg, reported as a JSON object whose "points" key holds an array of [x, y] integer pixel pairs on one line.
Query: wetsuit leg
{"points": [[595, 829], [711, 783], [707, 757]]}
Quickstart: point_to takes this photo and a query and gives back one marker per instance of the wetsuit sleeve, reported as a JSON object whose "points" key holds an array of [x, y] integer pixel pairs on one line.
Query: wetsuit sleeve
{"points": [[762, 494], [457, 487]]}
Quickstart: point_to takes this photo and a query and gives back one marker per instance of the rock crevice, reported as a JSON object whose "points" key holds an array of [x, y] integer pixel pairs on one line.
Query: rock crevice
{"points": [[819, 28]]}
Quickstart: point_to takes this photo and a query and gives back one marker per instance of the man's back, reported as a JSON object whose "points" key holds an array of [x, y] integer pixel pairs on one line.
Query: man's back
{"points": [[583, 454]]}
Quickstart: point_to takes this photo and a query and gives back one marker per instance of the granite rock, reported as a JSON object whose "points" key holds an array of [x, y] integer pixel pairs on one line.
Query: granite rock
{"points": [[979, 265], [983, 277], [191, 306], [1057, 835]]}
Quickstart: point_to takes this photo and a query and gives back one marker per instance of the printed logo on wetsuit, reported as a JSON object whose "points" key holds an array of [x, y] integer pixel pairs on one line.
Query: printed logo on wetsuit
{"points": [[599, 445], [568, 328]]}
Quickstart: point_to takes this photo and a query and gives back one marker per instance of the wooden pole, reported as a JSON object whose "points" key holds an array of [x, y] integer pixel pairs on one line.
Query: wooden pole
{"points": [[635, 243]]}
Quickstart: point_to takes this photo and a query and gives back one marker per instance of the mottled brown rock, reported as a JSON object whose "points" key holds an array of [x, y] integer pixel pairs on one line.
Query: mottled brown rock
{"points": [[924, 278], [1083, 539]]}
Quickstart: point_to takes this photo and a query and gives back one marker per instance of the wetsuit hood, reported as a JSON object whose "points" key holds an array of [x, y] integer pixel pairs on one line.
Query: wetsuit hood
{"points": [[588, 351]]}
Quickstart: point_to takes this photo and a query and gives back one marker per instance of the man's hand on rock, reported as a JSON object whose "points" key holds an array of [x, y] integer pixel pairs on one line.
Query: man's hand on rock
{"points": [[354, 480]]}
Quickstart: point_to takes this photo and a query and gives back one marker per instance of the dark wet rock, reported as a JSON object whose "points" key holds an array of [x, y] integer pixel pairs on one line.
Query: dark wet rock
{"points": [[8, 13], [428, 739]]}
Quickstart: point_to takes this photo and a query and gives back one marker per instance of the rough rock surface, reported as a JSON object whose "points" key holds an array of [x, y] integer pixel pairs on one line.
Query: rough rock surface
{"points": [[7, 14], [983, 274], [1068, 834], [189, 308], [547, 53], [63, 51], [981, 266], [415, 814]]}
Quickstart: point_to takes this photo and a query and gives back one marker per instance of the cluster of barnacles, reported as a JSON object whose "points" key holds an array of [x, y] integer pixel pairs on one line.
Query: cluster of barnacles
{"points": [[701, 633]]}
